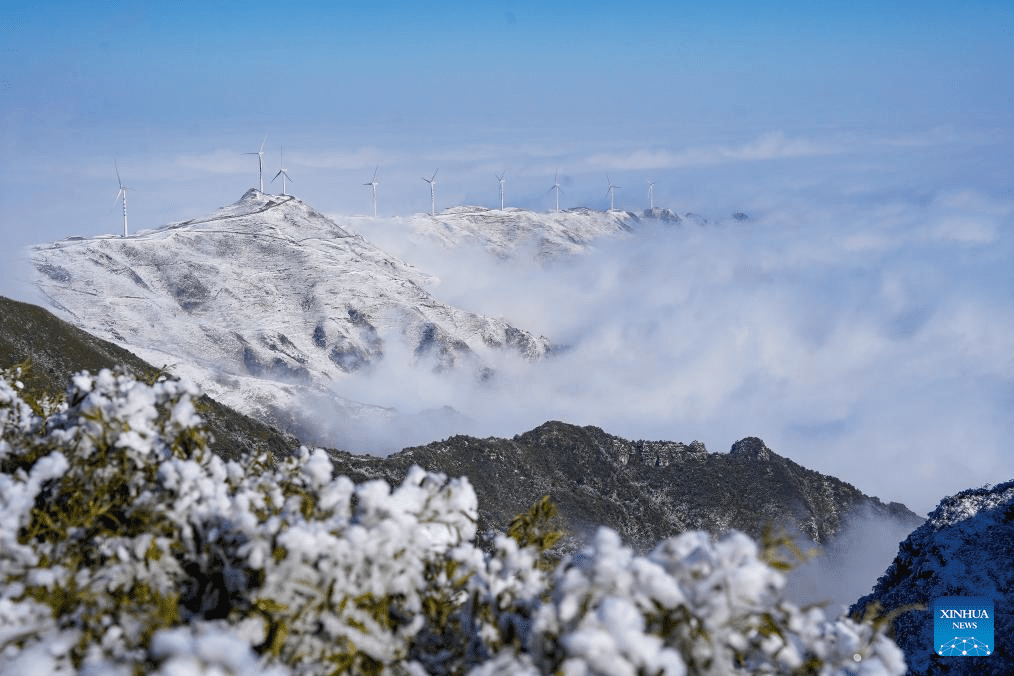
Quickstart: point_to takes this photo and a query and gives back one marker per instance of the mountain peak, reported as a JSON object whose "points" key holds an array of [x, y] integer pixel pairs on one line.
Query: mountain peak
{"points": [[751, 448]]}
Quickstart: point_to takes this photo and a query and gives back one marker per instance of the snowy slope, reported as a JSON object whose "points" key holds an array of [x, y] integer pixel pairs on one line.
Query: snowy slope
{"points": [[965, 548], [265, 302], [505, 232]]}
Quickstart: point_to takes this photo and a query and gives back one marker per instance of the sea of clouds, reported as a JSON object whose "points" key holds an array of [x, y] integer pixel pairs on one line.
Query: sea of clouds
{"points": [[871, 337]]}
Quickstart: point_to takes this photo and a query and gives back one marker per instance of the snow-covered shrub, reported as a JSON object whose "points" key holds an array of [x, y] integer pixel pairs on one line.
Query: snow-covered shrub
{"points": [[127, 547]]}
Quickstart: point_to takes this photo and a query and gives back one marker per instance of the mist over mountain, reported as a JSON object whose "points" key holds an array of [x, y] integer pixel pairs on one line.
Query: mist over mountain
{"points": [[645, 490], [849, 335], [868, 335]]}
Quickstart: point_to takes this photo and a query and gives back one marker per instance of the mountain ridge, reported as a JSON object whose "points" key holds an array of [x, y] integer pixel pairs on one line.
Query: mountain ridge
{"points": [[645, 490]]}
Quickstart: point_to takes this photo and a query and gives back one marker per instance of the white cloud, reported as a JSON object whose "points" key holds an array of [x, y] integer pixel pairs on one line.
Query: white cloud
{"points": [[769, 146]]}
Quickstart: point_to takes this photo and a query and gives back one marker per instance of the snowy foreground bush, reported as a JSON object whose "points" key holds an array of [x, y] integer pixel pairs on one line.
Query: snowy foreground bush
{"points": [[127, 547]]}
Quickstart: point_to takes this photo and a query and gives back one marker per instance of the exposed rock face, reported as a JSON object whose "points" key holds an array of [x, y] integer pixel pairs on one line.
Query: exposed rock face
{"points": [[965, 548], [751, 448], [646, 490]]}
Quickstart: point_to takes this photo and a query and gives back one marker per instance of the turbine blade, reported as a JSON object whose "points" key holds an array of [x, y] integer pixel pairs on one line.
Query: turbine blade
{"points": [[262, 144], [118, 181]]}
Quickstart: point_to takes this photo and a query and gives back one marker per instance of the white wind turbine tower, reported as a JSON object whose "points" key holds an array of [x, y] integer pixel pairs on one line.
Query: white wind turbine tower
{"points": [[556, 187], [281, 170], [260, 164], [651, 195], [373, 184], [500, 177], [122, 193], [433, 195], [612, 193]]}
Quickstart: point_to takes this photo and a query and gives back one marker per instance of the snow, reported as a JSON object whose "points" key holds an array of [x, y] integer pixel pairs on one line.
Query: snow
{"points": [[267, 304], [512, 232]]}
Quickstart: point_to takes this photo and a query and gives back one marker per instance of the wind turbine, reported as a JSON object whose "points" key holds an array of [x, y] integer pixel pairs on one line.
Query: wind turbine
{"points": [[433, 195], [651, 195], [612, 193], [500, 177], [373, 184], [281, 170], [260, 163], [556, 187], [122, 193]]}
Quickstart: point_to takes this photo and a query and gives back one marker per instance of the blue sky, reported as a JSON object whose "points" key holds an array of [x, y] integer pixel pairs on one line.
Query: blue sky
{"points": [[176, 90], [439, 68], [873, 140]]}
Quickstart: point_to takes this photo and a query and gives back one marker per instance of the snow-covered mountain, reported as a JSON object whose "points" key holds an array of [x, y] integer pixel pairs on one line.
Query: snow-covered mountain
{"points": [[267, 302], [965, 548], [546, 235]]}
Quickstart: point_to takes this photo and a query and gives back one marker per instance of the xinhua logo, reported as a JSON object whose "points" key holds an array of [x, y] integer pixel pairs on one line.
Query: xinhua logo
{"points": [[963, 626]]}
